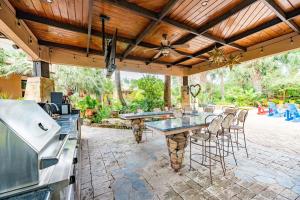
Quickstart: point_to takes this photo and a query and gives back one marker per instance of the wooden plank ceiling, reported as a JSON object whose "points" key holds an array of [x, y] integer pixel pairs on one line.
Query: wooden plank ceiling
{"points": [[233, 25]]}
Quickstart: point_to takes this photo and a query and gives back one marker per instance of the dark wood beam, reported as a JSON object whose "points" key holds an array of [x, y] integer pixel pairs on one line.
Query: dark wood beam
{"points": [[153, 23], [259, 28], [203, 29], [97, 52], [90, 11], [235, 38], [199, 53], [34, 18], [281, 15], [192, 31], [133, 7]]}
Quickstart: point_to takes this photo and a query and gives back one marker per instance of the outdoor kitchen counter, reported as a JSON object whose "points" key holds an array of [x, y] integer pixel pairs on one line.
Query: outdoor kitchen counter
{"points": [[59, 176], [138, 119], [177, 131]]}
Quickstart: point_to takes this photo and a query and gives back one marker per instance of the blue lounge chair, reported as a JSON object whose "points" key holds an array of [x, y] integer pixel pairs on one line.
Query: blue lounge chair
{"points": [[292, 113], [274, 111]]}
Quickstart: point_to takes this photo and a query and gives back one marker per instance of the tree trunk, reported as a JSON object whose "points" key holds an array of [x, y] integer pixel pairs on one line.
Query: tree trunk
{"points": [[119, 89], [256, 79], [167, 92], [222, 85]]}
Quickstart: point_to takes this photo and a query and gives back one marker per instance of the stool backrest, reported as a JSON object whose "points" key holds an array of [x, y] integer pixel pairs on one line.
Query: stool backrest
{"points": [[227, 121], [215, 125], [242, 116], [232, 110]]}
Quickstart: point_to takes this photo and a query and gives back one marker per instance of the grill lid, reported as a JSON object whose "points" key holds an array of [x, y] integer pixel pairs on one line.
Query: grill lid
{"points": [[29, 121]]}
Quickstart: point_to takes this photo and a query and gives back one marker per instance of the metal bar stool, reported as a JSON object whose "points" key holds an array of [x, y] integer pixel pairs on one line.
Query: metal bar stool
{"points": [[239, 128], [224, 135], [208, 140]]}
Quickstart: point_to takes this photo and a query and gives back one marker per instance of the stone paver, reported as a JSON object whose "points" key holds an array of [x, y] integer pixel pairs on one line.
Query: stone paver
{"points": [[115, 167]]}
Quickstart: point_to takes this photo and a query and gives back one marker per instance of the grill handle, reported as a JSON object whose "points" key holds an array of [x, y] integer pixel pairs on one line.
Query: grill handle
{"points": [[53, 160]]}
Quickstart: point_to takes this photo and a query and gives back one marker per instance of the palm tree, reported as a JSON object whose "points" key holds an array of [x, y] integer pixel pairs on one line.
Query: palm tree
{"points": [[119, 88], [167, 91]]}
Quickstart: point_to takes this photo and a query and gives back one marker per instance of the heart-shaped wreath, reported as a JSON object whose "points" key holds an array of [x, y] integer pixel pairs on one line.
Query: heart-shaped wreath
{"points": [[195, 90]]}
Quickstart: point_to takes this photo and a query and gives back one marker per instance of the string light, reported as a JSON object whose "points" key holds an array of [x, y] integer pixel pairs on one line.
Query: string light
{"points": [[0, 6], [292, 41], [262, 50]]}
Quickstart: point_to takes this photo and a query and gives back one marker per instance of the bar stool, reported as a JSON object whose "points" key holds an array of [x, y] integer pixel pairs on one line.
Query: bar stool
{"points": [[224, 135], [239, 128], [208, 139]]}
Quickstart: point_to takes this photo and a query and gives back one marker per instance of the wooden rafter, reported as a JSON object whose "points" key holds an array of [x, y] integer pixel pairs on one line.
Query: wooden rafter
{"points": [[193, 32], [199, 53], [273, 22], [42, 20], [97, 52], [90, 9], [281, 15], [153, 23]]}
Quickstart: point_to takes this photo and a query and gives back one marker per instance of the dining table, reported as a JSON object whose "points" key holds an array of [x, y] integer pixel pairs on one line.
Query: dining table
{"points": [[138, 121], [177, 131]]}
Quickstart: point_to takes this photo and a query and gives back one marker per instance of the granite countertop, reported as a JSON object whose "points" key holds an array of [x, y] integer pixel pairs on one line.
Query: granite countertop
{"points": [[188, 121], [68, 125], [144, 115]]}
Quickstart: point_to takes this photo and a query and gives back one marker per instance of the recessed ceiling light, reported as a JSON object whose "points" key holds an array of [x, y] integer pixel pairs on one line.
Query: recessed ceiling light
{"points": [[49, 1], [204, 2]]}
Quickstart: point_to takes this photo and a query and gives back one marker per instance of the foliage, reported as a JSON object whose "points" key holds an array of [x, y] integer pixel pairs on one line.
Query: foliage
{"points": [[268, 79], [87, 103], [79, 79], [150, 94], [14, 62], [4, 95], [101, 114]]}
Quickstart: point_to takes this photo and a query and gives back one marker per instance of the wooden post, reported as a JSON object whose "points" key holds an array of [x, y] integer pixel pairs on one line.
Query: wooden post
{"points": [[185, 94], [167, 91]]}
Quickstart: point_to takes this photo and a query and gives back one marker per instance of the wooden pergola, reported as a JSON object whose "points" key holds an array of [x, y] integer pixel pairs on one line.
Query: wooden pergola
{"points": [[69, 31]]}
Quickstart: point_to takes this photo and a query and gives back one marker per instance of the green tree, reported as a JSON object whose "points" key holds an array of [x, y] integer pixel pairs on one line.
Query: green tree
{"points": [[152, 89], [14, 62]]}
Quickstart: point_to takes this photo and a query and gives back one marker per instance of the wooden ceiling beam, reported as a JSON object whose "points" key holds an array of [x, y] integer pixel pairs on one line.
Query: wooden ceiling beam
{"points": [[97, 52], [203, 29], [282, 15], [90, 9], [34, 18], [199, 53], [153, 23], [192, 31], [290, 15]]}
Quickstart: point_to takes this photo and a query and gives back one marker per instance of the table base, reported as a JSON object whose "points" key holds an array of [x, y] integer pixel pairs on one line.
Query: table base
{"points": [[137, 129], [176, 145]]}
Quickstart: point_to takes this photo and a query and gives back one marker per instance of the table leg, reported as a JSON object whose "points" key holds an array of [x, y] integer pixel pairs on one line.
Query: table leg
{"points": [[137, 128], [176, 145]]}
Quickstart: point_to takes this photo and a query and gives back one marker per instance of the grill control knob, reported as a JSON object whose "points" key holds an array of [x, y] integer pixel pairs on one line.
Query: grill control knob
{"points": [[75, 160], [72, 179]]}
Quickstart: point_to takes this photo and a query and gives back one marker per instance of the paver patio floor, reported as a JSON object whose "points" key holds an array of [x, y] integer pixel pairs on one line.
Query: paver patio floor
{"points": [[115, 167]]}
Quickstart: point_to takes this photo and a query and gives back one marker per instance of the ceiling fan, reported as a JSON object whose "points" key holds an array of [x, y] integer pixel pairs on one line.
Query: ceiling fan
{"points": [[166, 48]]}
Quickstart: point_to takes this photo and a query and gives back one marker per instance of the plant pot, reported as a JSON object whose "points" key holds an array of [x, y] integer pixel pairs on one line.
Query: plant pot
{"points": [[89, 113]]}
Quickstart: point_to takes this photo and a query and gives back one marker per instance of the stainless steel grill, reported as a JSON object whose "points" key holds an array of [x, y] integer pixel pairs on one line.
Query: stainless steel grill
{"points": [[34, 152]]}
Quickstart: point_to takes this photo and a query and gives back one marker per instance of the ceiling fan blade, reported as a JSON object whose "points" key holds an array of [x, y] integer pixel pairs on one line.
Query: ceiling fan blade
{"points": [[174, 53], [157, 55], [151, 49], [181, 46]]}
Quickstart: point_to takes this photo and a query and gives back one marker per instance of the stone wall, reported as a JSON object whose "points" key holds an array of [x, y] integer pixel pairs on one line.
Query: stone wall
{"points": [[39, 89]]}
